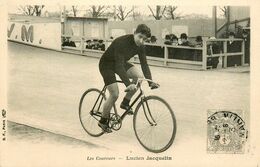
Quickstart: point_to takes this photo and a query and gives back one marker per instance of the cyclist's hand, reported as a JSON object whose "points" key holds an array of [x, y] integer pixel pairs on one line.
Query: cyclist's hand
{"points": [[154, 85], [131, 87]]}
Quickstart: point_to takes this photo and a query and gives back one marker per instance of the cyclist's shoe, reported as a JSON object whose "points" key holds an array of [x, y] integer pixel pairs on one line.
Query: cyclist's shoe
{"points": [[104, 127], [126, 107]]}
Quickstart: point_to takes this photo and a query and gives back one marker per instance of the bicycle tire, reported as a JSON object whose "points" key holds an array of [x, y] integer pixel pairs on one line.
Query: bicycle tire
{"points": [[82, 121], [172, 120]]}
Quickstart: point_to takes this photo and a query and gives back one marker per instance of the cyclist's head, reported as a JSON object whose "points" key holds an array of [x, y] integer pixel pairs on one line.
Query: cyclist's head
{"points": [[141, 34]]}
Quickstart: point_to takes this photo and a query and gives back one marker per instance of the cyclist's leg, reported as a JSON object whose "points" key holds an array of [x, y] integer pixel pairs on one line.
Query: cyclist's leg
{"points": [[133, 73], [110, 82], [113, 96]]}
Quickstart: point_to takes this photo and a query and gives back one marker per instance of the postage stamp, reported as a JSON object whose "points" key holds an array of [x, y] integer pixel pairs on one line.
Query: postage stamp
{"points": [[226, 132]]}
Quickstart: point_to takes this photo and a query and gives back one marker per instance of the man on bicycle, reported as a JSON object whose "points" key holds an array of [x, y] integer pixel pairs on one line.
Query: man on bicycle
{"points": [[115, 61]]}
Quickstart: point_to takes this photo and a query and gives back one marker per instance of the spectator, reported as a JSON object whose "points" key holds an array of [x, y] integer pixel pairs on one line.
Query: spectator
{"points": [[66, 41], [153, 39], [72, 44], [198, 41], [88, 45], [95, 44], [174, 40], [101, 45], [212, 48], [184, 40], [246, 38], [167, 40], [233, 47], [186, 54]]}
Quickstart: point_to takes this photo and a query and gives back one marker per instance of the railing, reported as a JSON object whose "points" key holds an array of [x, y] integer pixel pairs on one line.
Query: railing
{"points": [[172, 56]]}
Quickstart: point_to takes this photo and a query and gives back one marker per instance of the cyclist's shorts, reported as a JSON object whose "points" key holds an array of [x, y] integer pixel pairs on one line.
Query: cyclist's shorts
{"points": [[108, 73]]}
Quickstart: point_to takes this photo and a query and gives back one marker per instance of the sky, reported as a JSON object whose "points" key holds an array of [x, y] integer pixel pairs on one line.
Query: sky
{"points": [[184, 10]]}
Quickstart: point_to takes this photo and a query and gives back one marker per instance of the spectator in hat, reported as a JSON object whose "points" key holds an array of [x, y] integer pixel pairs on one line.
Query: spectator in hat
{"points": [[101, 45], [198, 41], [233, 47], [153, 39], [167, 40], [66, 41], [184, 40], [212, 48], [88, 45], [95, 44], [72, 44], [198, 53], [186, 54], [174, 40]]}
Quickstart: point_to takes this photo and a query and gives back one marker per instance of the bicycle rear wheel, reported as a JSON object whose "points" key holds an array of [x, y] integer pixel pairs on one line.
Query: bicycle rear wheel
{"points": [[89, 118], [154, 124]]}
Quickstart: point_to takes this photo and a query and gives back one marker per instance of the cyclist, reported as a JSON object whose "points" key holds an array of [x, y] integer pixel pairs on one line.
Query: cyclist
{"points": [[115, 61]]}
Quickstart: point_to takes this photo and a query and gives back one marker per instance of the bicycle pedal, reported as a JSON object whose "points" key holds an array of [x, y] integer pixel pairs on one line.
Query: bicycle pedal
{"points": [[104, 127]]}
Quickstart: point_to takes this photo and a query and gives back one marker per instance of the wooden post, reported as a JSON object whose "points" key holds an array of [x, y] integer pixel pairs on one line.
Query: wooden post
{"points": [[165, 56], [243, 53], [81, 44], [214, 22], [204, 53], [225, 53]]}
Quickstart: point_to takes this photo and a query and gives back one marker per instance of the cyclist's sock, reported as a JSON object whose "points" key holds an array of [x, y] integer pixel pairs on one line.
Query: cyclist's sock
{"points": [[126, 101]]}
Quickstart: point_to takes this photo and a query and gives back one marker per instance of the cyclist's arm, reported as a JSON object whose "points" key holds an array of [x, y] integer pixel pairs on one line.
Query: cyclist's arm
{"points": [[144, 65], [120, 68]]}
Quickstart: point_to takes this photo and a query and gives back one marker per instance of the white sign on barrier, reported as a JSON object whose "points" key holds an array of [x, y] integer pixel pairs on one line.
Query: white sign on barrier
{"points": [[37, 34], [178, 30]]}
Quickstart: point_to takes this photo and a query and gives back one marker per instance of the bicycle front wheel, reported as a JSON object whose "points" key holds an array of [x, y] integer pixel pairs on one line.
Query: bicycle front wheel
{"points": [[154, 124], [88, 115]]}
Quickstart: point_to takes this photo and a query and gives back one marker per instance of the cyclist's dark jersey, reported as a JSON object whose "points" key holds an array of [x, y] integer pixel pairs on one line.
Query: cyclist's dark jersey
{"points": [[119, 52]]}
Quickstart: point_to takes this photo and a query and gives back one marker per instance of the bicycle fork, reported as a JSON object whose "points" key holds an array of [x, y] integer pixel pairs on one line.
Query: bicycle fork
{"points": [[147, 112]]}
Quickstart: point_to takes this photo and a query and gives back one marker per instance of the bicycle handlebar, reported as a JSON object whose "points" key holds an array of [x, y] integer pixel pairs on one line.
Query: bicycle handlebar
{"points": [[140, 80]]}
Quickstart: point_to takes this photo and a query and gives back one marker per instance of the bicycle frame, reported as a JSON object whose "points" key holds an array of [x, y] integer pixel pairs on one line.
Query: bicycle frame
{"points": [[140, 95]]}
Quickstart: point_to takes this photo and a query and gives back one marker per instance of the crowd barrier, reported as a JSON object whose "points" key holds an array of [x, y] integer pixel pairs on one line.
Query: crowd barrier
{"points": [[185, 57]]}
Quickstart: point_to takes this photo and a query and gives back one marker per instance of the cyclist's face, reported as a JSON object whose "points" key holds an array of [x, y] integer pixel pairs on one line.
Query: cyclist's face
{"points": [[139, 39]]}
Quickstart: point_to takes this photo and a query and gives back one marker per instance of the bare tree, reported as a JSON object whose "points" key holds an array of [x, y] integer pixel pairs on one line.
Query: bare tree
{"points": [[122, 12], [38, 9], [97, 11], [27, 10], [158, 13], [74, 10], [170, 13], [224, 10], [31, 10]]}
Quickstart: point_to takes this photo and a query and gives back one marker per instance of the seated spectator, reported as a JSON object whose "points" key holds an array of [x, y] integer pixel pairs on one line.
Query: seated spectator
{"points": [[167, 40], [184, 40], [233, 47], [95, 44], [88, 45], [198, 41], [174, 40], [101, 45], [153, 39]]}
